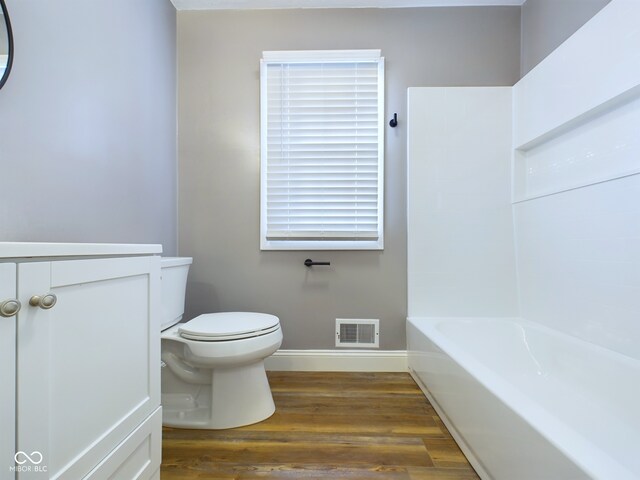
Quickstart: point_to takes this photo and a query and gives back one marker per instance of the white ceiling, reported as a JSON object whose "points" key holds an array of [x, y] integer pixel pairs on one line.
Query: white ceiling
{"points": [[266, 4]]}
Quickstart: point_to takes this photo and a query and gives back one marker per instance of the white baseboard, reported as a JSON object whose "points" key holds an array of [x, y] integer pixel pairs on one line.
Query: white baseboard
{"points": [[338, 361]]}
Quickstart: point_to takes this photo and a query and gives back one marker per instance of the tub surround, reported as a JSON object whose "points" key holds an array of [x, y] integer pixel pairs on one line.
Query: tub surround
{"points": [[536, 382], [577, 182], [461, 258]]}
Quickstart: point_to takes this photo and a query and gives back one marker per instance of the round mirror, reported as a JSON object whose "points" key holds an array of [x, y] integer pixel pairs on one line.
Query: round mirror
{"points": [[6, 44]]}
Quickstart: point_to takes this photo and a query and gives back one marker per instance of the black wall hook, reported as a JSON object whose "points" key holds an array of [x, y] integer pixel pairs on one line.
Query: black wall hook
{"points": [[393, 123]]}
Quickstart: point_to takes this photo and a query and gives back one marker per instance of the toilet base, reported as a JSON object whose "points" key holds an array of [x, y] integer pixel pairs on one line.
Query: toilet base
{"points": [[237, 396]]}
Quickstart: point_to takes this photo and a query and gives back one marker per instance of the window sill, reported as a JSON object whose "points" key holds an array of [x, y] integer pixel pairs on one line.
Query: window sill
{"points": [[321, 245]]}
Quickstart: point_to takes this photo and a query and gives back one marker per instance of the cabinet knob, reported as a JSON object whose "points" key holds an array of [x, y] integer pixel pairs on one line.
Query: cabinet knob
{"points": [[9, 308], [45, 302]]}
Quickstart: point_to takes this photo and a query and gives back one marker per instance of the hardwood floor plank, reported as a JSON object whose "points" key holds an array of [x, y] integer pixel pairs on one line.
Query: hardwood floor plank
{"points": [[302, 471], [176, 436], [326, 425], [253, 453], [334, 383], [445, 453], [354, 424], [443, 474], [341, 405]]}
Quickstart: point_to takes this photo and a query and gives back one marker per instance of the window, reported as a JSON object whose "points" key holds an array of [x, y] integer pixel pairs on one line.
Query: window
{"points": [[322, 143]]}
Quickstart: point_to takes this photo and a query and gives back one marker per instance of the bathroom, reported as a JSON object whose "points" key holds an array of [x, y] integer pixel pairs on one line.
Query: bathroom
{"points": [[139, 123]]}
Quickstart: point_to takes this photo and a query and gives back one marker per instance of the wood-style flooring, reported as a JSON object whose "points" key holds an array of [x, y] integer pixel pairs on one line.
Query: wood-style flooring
{"points": [[327, 425]]}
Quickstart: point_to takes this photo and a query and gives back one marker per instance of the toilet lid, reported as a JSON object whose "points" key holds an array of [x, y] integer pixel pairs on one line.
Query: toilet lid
{"points": [[229, 326]]}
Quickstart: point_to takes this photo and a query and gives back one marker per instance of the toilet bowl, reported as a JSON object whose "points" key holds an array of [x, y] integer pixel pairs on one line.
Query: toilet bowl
{"points": [[213, 374]]}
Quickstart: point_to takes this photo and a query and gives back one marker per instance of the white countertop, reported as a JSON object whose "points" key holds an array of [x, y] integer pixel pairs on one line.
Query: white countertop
{"points": [[29, 249]]}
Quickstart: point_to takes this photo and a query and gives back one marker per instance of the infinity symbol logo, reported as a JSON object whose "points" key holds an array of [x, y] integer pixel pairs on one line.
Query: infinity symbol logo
{"points": [[35, 458]]}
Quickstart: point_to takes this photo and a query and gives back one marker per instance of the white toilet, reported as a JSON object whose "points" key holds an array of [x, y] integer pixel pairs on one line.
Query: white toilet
{"points": [[213, 372]]}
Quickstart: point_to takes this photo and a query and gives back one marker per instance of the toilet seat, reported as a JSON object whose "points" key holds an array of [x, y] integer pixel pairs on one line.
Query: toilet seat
{"points": [[220, 327]]}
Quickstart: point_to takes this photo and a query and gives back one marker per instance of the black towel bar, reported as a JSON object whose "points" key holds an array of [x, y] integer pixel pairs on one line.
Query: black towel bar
{"points": [[308, 263]]}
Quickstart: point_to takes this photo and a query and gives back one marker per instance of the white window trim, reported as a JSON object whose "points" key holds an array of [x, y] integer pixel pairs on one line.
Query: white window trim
{"points": [[305, 56]]}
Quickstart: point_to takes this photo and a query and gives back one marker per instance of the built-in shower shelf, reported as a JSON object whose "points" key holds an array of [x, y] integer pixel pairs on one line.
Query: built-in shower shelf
{"points": [[574, 126], [598, 146]]}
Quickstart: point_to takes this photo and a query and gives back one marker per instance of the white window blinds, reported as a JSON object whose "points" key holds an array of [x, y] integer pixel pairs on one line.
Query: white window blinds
{"points": [[322, 149]]}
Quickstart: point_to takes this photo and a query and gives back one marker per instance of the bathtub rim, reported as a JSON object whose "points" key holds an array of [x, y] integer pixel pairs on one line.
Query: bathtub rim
{"points": [[573, 445]]}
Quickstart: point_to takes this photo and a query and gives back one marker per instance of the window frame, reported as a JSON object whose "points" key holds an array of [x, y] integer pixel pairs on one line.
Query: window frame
{"points": [[320, 56]]}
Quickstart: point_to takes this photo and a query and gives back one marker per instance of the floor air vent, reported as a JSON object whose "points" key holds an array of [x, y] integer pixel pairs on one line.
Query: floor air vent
{"points": [[357, 333]]}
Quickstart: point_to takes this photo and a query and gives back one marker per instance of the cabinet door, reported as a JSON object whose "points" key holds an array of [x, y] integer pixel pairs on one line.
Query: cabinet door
{"points": [[88, 368], [7, 373]]}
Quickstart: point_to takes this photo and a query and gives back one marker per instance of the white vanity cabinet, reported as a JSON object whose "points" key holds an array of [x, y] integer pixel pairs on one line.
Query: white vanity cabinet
{"points": [[7, 367], [85, 353]]}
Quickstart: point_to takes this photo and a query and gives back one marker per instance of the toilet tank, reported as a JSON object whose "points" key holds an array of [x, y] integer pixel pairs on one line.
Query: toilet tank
{"points": [[173, 271]]}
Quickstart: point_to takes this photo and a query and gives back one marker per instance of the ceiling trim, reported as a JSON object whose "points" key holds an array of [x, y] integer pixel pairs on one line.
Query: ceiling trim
{"points": [[276, 4]]}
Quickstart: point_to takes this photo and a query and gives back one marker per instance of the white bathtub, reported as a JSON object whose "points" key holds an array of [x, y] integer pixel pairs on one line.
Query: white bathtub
{"points": [[526, 402]]}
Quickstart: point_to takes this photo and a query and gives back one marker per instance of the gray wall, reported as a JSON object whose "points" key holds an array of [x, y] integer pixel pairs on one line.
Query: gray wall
{"points": [[218, 118], [88, 123], [548, 23]]}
